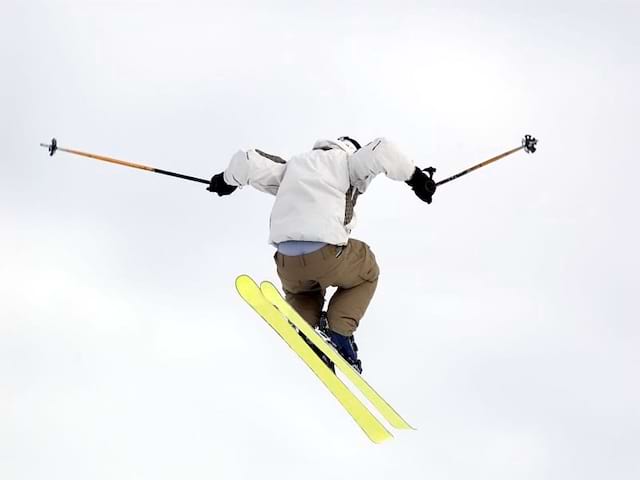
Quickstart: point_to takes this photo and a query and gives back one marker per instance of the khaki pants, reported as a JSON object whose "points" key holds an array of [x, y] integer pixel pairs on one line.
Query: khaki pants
{"points": [[352, 269]]}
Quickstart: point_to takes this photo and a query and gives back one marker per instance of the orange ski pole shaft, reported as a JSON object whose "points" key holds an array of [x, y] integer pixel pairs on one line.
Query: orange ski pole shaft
{"points": [[53, 148]]}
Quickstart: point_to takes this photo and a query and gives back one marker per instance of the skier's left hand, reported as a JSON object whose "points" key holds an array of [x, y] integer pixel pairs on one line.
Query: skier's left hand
{"points": [[422, 184], [219, 186]]}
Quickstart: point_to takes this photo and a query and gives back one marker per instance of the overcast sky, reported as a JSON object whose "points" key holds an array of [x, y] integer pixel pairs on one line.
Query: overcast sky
{"points": [[505, 325]]}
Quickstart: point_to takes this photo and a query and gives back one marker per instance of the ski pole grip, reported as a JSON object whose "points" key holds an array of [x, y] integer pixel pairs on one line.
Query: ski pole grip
{"points": [[430, 171]]}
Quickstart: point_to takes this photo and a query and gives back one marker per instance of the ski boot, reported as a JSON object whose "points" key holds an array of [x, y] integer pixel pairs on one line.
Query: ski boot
{"points": [[347, 348]]}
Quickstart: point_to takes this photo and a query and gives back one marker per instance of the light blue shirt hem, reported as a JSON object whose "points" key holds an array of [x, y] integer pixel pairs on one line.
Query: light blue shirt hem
{"points": [[293, 248]]}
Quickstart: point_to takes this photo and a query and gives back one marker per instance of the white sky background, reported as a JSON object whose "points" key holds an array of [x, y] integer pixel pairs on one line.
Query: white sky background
{"points": [[505, 326]]}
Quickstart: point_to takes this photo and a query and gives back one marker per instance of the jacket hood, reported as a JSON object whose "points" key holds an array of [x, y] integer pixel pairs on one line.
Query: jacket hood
{"points": [[334, 144]]}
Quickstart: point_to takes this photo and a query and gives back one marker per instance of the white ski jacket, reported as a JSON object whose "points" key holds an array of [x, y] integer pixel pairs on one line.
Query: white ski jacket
{"points": [[315, 191]]}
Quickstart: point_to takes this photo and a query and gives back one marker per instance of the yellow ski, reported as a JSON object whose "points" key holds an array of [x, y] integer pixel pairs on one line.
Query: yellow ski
{"points": [[273, 295], [252, 294]]}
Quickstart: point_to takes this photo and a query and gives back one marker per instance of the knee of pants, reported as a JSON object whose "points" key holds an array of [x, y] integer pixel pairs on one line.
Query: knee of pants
{"points": [[348, 306]]}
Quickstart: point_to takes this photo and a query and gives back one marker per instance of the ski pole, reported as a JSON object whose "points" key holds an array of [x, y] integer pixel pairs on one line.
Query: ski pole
{"points": [[528, 145], [53, 148]]}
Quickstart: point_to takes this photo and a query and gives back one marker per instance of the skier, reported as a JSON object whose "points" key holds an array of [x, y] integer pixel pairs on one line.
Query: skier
{"points": [[311, 221]]}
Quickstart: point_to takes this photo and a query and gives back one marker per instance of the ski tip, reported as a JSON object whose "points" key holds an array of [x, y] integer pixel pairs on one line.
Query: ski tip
{"points": [[244, 279], [267, 284], [270, 290]]}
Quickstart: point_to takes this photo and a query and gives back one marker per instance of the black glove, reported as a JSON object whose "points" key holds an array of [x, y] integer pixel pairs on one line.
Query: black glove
{"points": [[422, 184], [219, 186]]}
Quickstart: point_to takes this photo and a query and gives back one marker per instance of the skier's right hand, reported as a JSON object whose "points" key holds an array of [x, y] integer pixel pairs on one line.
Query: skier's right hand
{"points": [[219, 186], [422, 184]]}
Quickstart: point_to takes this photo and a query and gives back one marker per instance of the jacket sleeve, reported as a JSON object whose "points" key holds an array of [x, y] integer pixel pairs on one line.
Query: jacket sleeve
{"points": [[262, 171], [379, 156]]}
